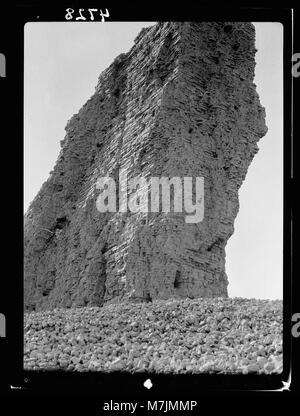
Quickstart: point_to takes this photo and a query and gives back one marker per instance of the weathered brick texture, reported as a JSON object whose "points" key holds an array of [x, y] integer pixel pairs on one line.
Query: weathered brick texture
{"points": [[181, 102]]}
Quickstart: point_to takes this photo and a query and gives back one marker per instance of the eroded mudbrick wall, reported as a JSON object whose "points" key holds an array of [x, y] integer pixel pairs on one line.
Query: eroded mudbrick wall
{"points": [[181, 102]]}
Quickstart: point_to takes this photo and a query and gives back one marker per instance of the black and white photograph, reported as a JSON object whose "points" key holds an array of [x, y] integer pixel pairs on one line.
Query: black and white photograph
{"points": [[155, 242], [157, 223]]}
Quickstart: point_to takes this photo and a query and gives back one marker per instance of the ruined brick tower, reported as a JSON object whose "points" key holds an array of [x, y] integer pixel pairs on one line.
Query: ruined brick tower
{"points": [[180, 103]]}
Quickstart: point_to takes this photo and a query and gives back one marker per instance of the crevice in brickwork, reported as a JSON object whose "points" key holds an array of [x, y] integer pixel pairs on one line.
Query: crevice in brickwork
{"points": [[101, 287], [178, 283], [61, 222], [165, 62], [218, 243]]}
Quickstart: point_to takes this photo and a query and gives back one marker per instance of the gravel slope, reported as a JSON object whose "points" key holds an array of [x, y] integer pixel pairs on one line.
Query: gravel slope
{"points": [[227, 335]]}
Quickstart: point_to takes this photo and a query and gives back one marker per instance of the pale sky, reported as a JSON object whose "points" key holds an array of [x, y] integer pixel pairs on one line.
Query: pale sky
{"points": [[62, 63]]}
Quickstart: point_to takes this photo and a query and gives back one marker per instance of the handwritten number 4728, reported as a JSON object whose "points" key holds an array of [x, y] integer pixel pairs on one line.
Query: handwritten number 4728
{"points": [[92, 12]]}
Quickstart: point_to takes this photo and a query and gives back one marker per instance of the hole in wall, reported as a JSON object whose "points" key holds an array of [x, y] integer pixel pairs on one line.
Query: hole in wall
{"points": [[177, 281]]}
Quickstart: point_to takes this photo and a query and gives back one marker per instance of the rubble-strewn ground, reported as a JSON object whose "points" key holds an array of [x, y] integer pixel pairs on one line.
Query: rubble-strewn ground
{"points": [[227, 335]]}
